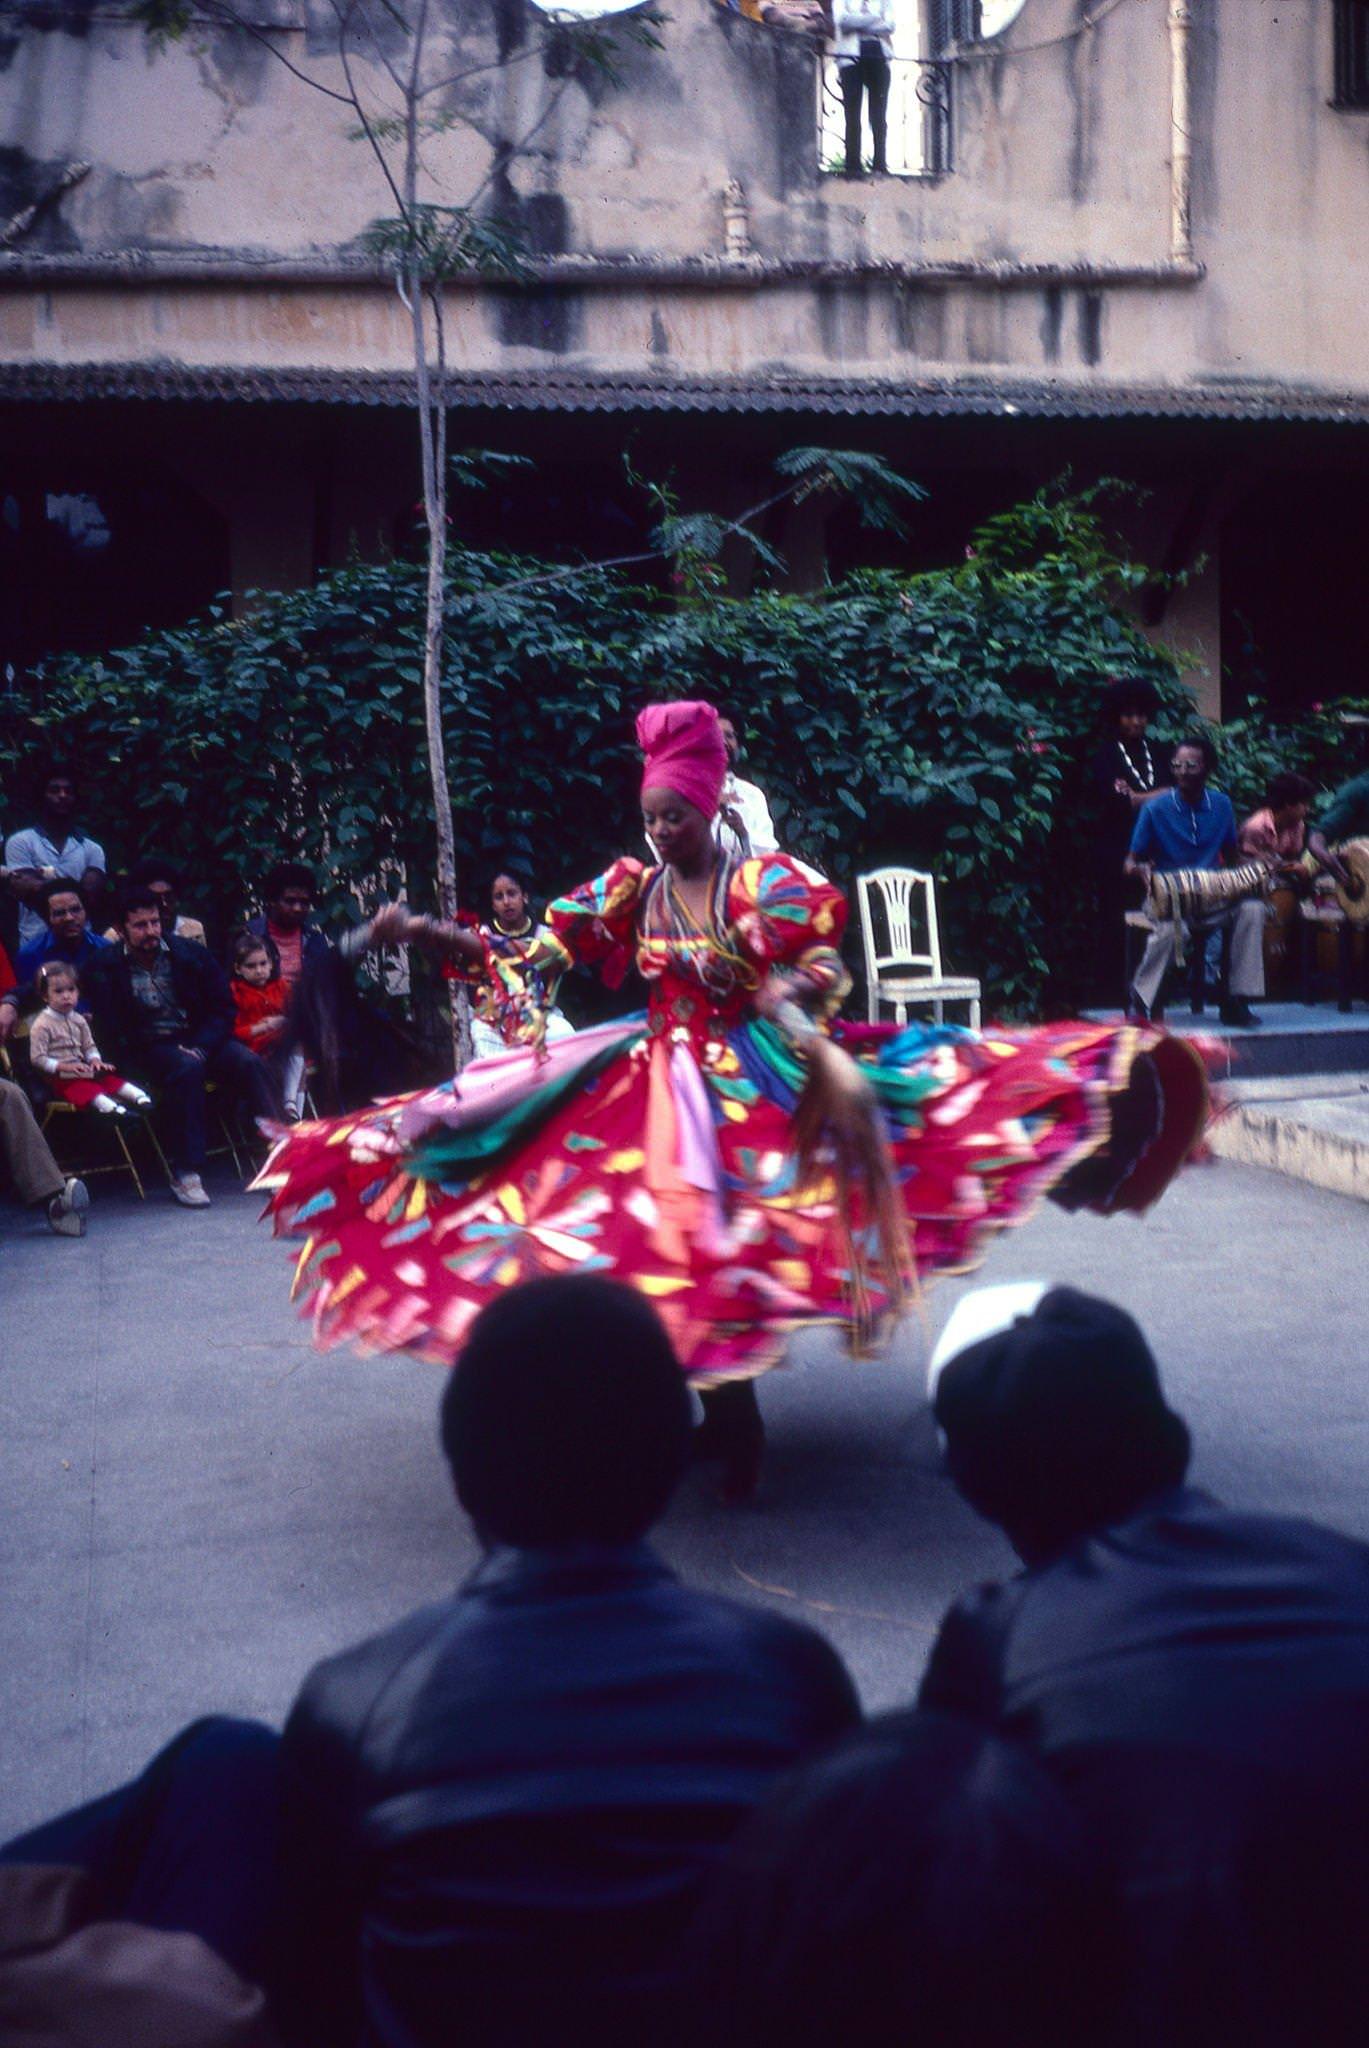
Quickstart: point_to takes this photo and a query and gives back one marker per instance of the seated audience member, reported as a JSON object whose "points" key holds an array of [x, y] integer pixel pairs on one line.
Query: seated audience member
{"points": [[1196, 1677], [1193, 826], [922, 1882], [163, 1012], [66, 933], [513, 1003], [73, 1976], [506, 1807], [30, 1166], [51, 848], [66, 937], [188, 1850], [262, 1002], [62, 1048], [288, 894], [164, 882]]}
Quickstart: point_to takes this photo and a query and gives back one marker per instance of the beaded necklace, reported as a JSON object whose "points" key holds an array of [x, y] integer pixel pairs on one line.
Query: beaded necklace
{"points": [[1144, 777]]}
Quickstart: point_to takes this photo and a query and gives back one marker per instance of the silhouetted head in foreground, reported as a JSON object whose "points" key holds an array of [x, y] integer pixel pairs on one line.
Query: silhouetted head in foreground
{"points": [[566, 1419], [923, 1883], [1050, 1405]]}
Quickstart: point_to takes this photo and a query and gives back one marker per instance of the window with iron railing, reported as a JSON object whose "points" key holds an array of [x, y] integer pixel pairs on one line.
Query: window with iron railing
{"points": [[918, 118], [918, 112], [1352, 54]]}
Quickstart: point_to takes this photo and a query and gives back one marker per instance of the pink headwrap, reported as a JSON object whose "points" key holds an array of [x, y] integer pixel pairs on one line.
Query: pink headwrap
{"points": [[683, 745]]}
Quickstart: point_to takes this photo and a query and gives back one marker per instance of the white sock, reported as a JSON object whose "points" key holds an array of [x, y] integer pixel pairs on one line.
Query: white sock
{"points": [[106, 1105], [130, 1092]]}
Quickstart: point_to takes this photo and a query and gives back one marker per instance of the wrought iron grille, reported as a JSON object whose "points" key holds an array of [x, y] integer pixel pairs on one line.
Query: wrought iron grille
{"points": [[919, 117], [1352, 53]]}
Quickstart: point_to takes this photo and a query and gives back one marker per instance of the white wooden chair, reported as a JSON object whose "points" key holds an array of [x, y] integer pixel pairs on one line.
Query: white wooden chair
{"points": [[918, 977]]}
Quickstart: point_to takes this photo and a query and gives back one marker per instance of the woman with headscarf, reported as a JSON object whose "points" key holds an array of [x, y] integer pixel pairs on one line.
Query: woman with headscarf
{"points": [[722, 1152]]}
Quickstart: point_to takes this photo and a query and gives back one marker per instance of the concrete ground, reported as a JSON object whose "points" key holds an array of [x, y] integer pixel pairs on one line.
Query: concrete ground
{"points": [[197, 1505], [1312, 1127], [1294, 1091]]}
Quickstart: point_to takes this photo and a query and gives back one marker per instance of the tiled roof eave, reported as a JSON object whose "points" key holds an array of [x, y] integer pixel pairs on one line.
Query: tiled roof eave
{"points": [[566, 388]]}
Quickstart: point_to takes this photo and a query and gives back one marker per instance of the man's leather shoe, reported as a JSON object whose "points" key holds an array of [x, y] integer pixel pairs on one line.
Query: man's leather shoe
{"points": [[1238, 1011]]}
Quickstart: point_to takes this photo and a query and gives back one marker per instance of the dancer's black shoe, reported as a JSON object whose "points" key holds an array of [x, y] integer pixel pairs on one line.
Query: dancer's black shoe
{"points": [[732, 1432]]}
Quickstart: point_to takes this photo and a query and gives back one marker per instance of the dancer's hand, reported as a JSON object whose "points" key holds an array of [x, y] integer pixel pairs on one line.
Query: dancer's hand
{"points": [[773, 991], [847, 1094], [391, 925]]}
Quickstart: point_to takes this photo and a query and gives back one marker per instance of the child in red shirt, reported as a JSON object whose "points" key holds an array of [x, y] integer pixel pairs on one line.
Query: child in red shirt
{"points": [[262, 1001]]}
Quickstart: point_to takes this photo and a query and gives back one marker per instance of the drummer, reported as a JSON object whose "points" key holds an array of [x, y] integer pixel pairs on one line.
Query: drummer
{"points": [[1194, 826], [1345, 817], [1278, 833]]}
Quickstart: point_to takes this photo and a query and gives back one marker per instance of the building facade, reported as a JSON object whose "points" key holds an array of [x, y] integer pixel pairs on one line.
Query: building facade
{"points": [[1123, 237]]}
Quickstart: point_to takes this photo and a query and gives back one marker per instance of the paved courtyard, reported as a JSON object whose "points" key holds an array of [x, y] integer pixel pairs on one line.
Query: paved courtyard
{"points": [[197, 1504]]}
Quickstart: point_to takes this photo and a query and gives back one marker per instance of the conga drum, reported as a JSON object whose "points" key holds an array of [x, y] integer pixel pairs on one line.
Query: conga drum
{"points": [[1281, 942]]}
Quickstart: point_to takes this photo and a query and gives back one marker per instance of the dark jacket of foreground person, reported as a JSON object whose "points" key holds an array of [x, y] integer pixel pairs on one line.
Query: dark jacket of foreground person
{"points": [[507, 1806], [921, 1885], [1198, 1679]]}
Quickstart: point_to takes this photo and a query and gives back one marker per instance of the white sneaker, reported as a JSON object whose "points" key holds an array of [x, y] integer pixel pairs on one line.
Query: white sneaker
{"points": [[67, 1211], [188, 1190]]}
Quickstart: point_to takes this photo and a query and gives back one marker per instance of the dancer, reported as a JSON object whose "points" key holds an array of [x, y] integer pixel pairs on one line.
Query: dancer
{"points": [[722, 1152]]}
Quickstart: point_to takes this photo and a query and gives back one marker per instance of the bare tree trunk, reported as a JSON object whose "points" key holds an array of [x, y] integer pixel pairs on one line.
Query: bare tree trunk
{"points": [[432, 432]]}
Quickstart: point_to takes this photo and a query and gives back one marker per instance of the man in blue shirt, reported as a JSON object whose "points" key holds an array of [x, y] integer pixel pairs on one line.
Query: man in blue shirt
{"points": [[1193, 826], [66, 936]]}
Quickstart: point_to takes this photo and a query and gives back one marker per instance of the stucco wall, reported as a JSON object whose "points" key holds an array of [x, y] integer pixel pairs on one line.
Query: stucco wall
{"points": [[209, 148]]}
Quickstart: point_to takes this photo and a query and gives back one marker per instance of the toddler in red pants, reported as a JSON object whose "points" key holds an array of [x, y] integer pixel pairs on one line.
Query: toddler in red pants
{"points": [[62, 1047]]}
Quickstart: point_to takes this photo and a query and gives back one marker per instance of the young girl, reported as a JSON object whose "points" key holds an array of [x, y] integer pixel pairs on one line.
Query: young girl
{"points": [[262, 1000], [62, 1046]]}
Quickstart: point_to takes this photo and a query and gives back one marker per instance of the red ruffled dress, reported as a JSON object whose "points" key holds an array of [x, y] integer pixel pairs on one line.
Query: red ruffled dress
{"points": [[657, 1149]]}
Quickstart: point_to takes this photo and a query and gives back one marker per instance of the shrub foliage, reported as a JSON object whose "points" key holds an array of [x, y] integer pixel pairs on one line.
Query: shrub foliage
{"points": [[941, 719]]}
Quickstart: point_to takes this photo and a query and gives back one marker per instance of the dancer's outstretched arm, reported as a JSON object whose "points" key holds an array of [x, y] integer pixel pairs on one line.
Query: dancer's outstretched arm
{"points": [[396, 925]]}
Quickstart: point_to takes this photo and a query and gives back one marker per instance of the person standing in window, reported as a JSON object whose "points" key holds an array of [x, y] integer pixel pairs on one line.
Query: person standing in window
{"points": [[863, 45]]}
